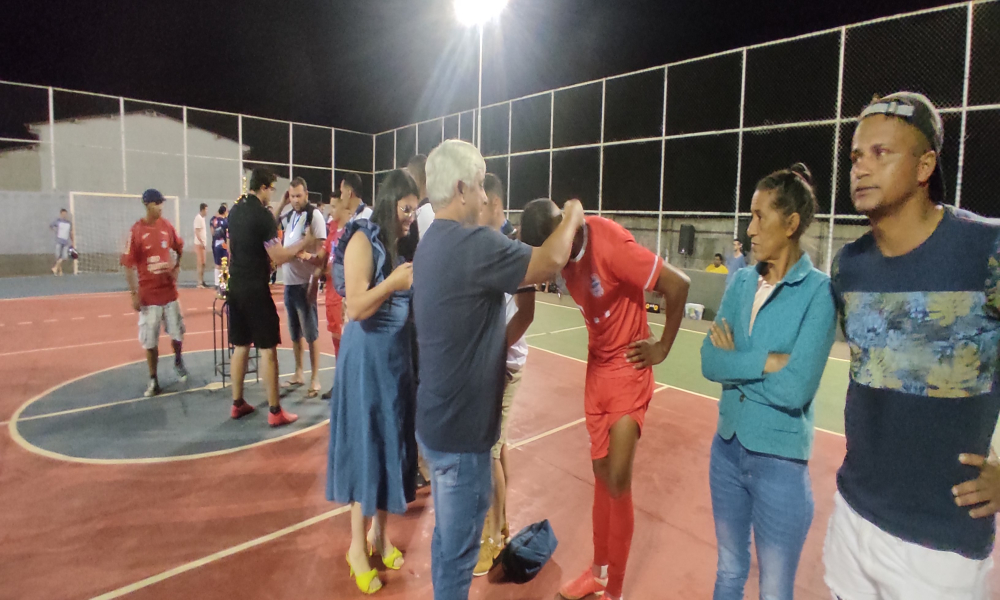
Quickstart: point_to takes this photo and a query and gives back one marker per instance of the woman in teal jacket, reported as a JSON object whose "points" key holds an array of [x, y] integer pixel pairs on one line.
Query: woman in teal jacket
{"points": [[768, 348]]}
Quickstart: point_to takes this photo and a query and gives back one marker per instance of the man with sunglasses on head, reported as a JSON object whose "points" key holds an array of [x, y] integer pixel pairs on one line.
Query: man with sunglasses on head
{"points": [[919, 303], [253, 317]]}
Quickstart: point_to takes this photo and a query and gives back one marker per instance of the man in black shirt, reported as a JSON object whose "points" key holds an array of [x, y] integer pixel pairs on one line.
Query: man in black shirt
{"points": [[253, 317]]}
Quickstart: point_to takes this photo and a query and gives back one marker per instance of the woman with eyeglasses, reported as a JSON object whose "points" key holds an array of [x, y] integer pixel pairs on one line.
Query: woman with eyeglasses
{"points": [[768, 348], [372, 460]]}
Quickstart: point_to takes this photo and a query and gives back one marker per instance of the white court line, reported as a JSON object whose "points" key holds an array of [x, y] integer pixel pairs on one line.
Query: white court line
{"points": [[91, 344], [214, 385], [103, 316], [556, 331], [77, 318], [221, 554], [25, 323], [702, 333], [275, 535], [664, 386], [50, 321]]}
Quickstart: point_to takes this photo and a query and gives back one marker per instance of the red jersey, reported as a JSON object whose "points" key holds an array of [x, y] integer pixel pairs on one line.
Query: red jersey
{"points": [[333, 231], [608, 280], [148, 251]]}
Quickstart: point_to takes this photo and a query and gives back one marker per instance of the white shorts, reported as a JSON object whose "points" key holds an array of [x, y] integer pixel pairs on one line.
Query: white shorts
{"points": [[150, 318], [865, 563]]}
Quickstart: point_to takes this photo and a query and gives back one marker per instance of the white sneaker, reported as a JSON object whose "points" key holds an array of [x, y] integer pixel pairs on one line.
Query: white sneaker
{"points": [[152, 389]]}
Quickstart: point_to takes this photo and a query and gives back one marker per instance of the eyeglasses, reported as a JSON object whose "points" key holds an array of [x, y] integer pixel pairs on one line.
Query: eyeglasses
{"points": [[407, 210]]}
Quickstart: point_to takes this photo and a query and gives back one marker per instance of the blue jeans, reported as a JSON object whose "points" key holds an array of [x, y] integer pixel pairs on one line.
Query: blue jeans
{"points": [[769, 494], [302, 318], [461, 485]]}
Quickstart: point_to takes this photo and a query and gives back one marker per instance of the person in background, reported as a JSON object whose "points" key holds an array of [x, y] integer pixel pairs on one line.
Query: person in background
{"points": [[425, 214], [199, 242], [350, 191], [300, 307], [608, 276], [520, 312], [717, 266], [372, 456], [219, 225], [736, 262], [152, 280], [759, 476], [65, 239], [253, 317], [919, 302], [339, 216], [460, 274]]}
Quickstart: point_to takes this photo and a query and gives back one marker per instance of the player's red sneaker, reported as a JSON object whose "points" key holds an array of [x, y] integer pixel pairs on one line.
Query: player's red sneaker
{"points": [[583, 586], [282, 417], [242, 410]]}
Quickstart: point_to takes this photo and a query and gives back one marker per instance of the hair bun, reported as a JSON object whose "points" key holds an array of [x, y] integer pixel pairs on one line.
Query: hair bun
{"points": [[802, 171]]}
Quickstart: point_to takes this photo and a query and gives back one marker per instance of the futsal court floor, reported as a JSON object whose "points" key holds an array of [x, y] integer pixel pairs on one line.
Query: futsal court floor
{"points": [[106, 494]]}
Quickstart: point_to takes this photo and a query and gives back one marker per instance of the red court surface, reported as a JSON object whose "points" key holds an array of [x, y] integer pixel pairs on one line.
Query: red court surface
{"points": [[255, 523]]}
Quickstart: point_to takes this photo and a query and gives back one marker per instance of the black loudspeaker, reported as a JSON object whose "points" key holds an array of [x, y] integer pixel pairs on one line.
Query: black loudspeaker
{"points": [[685, 242]]}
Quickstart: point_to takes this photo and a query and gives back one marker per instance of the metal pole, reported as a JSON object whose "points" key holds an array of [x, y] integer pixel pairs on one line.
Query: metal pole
{"points": [[663, 154], [395, 132], [965, 106], [552, 120], [121, 128], [510, 113], [479, 104], [52, 141], [739, 147], [291, 161], [600, 169], [333, 172], [834, 178], [239, 132], [184, 113]]}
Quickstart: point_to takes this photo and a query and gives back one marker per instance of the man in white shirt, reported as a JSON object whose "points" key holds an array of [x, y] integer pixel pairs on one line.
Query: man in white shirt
{"points": [[199, 242], [350, 191], [303, 320], [520, 313]]}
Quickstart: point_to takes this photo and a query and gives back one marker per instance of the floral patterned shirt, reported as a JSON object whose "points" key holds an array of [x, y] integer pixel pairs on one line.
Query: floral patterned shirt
{"points": [[923, 331]]}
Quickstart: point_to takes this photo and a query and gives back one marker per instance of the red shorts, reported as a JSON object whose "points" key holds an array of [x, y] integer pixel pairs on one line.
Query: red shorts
{"points": [[610, 396], [334, 314]]}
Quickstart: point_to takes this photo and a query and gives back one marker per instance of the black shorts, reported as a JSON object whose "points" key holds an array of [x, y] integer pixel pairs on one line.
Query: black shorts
{"points": [[253, 317]]}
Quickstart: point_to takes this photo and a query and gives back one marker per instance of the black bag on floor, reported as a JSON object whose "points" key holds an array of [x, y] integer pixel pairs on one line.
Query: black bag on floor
{"points": [[527, 552]]}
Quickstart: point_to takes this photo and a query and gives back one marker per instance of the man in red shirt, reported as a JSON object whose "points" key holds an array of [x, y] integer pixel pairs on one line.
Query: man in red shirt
{"points": [[154, 290], [339, 215], [608, 276]]}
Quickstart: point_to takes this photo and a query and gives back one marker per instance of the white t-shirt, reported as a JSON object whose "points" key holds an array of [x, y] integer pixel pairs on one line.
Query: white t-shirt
{"points": [[517, 354], [199, 230], [425, 216], [296, 272], [764, 290], [363, 211]]}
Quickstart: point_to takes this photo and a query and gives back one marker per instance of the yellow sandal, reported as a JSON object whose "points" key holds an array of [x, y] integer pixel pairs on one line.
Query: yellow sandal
{"points": [[394, 560], [364, 581]]}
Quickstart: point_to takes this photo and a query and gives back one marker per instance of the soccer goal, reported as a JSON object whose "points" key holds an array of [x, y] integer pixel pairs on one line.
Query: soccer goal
{"points": [[101, 223]]}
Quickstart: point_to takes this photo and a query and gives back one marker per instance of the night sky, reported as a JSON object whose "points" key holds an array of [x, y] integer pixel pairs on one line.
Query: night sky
{"points": [[371, 65]]}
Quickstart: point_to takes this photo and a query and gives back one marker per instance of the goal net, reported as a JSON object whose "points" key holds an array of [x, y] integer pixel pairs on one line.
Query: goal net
{"points": [[101, 223]]}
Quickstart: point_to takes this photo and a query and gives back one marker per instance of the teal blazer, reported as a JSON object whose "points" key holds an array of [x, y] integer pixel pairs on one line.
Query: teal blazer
{"points": [[773, 413]]}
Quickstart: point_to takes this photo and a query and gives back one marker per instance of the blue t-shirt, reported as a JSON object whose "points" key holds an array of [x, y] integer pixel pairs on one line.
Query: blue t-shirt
{"points": [[733, 264], [460, 275], [923, 329], [220, 229]]}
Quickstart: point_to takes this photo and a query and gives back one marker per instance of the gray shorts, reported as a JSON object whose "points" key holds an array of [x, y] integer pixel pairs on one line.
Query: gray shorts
{"points": [[62, 251]]}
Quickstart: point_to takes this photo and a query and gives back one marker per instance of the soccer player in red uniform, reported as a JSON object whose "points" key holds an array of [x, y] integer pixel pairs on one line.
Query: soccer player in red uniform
{"points": [[154, 289], [608, 276]]}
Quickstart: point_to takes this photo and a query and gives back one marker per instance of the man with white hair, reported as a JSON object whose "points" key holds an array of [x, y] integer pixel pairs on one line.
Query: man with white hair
{"points": [[460, 274]]}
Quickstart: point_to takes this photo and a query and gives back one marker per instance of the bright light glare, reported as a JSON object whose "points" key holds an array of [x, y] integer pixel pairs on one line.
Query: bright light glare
{"points": [[477, 12]]}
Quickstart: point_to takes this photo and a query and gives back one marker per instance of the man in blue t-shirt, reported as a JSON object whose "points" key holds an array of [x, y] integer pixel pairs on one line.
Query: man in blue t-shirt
{"points": [[460, 274], [919, 301], [735, 262]]}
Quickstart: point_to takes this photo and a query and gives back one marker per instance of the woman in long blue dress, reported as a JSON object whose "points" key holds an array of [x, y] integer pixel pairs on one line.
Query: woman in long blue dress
{"points": [[372, 446]]}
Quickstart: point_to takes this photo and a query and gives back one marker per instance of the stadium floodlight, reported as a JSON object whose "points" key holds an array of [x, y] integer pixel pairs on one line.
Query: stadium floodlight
{"points": [[477, 13]]}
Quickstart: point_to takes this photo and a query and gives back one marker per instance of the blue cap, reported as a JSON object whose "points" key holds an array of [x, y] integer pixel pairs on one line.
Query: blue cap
{"points": [[151, 196]]}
